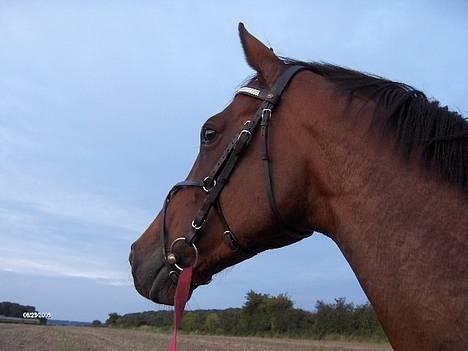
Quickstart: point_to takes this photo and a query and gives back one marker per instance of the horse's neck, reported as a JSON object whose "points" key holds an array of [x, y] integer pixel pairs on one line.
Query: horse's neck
{"points": [[407, 244], [405, 235]]}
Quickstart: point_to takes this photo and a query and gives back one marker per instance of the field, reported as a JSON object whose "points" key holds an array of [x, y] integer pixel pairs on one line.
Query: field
{"points": [[28, 337]]}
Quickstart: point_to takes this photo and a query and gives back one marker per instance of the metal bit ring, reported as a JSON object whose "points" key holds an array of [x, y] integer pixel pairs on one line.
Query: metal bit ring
{"points": [[194, 249]]}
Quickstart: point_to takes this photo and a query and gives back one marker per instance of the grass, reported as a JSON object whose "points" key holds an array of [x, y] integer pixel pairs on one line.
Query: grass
{"points": [[371, 339]]}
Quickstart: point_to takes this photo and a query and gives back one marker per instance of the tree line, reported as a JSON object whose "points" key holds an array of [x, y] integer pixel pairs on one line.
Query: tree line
{"points": [[12, 309], [269, 316]]}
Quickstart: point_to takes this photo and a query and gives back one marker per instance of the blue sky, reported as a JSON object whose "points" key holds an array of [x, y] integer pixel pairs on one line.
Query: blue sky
{"points": [[100, 109]]}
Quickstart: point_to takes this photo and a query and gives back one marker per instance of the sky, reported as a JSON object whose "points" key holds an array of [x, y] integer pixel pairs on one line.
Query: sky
{"points": [[100, 109]]}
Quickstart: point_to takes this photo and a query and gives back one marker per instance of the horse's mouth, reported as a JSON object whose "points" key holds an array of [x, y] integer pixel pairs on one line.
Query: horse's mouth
{"points": [[163, 287], [151, 280], [154, 280]]}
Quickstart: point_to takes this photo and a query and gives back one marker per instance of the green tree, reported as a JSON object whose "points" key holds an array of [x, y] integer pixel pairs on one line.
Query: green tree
{"points": [[278, 309], [263, 314], [11, 309], [112, 320], [191, 322], [212, 323], [230, 321], [96, 323], [266, 315], [334, 318]]}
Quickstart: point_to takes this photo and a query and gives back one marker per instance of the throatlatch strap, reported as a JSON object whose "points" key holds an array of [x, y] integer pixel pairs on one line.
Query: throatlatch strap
{"points": [[180, 299]]}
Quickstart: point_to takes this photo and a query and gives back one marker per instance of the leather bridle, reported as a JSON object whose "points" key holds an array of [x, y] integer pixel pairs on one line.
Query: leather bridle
{"points": [[214, 183]]}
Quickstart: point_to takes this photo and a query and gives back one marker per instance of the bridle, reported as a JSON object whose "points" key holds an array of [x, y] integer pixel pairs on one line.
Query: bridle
{"points": [[214, 183]]}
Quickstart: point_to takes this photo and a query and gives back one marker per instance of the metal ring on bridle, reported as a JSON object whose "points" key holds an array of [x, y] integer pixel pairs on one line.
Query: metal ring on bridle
{"points": [[205, 187], [197, 227], [174, 273], [244, 131], [194, 249]]}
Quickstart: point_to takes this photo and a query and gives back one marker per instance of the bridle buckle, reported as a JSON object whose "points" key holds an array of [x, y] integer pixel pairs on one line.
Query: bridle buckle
{"points": [[244, 131], [205, 184], [266, 114], [199, 226]]}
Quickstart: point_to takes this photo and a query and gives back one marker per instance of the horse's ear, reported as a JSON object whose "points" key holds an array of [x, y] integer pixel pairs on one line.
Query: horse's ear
{"points": [[259, 57]]}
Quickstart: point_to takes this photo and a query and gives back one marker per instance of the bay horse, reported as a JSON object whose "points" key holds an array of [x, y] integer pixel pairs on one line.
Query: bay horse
{"points": [[373, 164]]}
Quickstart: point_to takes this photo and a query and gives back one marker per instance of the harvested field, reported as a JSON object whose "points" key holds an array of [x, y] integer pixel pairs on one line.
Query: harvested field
{"points": [[29, 337]]}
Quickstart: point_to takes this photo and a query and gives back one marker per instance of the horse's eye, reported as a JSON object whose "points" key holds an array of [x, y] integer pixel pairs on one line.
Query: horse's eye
{"points": [[208, 135]]}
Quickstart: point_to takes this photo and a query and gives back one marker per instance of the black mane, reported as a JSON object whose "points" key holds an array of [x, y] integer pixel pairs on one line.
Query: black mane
{"points": [[422, 128]]}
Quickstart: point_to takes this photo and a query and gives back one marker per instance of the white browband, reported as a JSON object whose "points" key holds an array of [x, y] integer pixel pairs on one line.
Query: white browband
{"points": [[248, 90]]}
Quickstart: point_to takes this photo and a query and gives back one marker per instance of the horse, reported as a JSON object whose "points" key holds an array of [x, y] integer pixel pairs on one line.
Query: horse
{"points": [[371, 163]]}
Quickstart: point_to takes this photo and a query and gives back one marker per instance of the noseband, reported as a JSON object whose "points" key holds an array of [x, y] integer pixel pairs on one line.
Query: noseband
{"points": [[214, 183]]}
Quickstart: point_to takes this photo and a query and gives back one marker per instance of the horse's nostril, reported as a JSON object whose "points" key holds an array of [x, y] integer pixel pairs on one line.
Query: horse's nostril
{"points": [[130, 257]]}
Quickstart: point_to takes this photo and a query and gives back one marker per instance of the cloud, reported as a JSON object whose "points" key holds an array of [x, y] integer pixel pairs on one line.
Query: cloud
{"points": [[61, 269], [51, 231], [25, 256], [49, 228], [53, 198]]}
